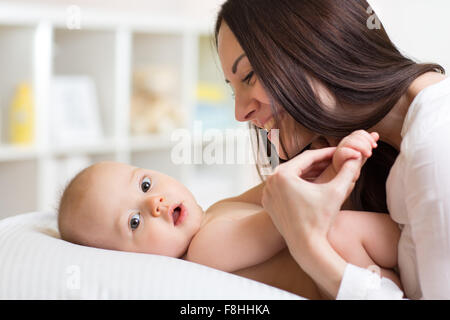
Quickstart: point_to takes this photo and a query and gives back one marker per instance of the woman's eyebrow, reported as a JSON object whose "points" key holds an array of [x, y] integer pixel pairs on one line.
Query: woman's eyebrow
{"points": [[235, 64]]}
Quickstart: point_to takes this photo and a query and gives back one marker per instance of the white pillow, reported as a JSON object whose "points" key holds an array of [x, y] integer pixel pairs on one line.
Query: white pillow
{"points": [[36, 264]]}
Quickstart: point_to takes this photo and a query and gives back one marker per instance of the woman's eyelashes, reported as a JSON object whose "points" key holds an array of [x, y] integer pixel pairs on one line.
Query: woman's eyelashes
{"points": [[135, 221], [249, 77], [247, 80], [146, 184]]}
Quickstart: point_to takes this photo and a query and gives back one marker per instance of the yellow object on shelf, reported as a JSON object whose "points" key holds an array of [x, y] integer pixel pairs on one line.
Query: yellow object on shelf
{"points": [[21, 116], [210, 93]]}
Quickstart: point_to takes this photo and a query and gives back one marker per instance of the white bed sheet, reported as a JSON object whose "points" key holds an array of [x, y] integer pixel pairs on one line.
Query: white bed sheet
{"points": [[36, 264]]}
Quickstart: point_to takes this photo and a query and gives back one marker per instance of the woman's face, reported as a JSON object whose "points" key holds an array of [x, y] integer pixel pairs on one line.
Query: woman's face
{"points": [[253, 104]]}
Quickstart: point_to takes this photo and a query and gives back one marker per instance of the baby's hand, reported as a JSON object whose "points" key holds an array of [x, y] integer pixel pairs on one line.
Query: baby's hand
{"points": [[359, 143]]}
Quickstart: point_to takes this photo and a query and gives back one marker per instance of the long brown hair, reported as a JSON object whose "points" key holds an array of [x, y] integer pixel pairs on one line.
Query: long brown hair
{"points": [[289, 42]]}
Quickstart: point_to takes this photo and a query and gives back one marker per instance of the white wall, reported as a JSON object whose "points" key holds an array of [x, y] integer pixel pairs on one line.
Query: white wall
{"points": [[198, 9], [420, 28]]}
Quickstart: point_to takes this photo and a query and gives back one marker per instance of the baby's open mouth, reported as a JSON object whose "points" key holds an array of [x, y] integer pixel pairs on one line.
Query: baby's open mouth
{"points": [[178, 214]]}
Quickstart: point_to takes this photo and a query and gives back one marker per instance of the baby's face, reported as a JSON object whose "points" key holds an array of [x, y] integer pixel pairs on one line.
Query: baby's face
{"points": [[138, 210]]}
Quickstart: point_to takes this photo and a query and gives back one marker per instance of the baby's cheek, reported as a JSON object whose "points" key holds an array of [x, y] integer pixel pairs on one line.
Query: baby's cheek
{"points": [[176, 246], [171, 244]]}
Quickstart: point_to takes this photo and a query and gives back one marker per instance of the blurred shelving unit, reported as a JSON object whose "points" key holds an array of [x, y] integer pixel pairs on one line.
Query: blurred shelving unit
{"points": [[37, 45]]}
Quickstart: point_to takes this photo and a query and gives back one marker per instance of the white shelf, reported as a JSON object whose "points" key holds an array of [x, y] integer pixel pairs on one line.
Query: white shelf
{"points": [[28, 14], [150, 142], [36, 45], [69, 51], [16, 65], [101, 147], [16, 153]]}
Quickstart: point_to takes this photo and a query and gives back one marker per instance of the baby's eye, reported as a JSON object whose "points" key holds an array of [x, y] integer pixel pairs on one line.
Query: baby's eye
{"points": [[135, 221], [146, 184]]}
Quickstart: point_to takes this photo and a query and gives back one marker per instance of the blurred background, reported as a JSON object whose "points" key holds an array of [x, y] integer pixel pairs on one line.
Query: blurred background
{"points": [[89, 80]]}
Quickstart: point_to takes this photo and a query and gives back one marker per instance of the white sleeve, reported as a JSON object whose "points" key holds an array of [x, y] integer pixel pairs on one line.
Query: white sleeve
{"points": [[363, 284], [428, 205]]}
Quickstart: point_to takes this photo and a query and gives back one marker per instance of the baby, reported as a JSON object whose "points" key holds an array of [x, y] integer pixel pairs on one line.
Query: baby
{"points": [[119, 207]]}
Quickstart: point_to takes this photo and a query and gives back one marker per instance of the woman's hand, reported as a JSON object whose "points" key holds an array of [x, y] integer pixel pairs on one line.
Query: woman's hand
{"points": [[302, 209], [298, 207]]}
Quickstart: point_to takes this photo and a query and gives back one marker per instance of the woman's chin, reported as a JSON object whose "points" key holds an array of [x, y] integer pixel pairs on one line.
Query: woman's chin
{"points": [[281, 154], [275, 141]]}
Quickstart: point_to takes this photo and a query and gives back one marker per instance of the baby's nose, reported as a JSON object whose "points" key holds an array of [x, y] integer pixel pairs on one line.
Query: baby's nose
{"points": [[154, 204]]}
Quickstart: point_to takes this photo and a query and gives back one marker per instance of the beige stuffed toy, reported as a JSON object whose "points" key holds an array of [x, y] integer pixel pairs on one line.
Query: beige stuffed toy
{"points": [[153, 103]]}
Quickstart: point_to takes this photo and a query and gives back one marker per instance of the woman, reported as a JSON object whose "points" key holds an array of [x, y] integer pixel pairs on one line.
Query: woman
{"points": [[314, 70]]}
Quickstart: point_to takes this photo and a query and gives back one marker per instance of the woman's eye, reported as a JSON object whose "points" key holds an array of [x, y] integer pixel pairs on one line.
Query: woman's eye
{"points": [[135, 221], [248, 78], [146, 184]]}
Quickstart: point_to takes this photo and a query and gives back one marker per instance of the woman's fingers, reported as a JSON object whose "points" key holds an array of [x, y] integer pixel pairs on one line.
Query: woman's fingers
{"points": [[359, 142], [342, 155], [315, 171], [300, 164], [345, 180], [316, 168]]}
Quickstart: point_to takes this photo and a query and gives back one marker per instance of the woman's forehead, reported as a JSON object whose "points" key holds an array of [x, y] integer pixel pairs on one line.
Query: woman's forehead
{"points": [[227, 44]]}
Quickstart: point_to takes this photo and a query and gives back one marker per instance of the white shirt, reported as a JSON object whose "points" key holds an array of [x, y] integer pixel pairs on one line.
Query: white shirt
{"points": [[418, 199]]}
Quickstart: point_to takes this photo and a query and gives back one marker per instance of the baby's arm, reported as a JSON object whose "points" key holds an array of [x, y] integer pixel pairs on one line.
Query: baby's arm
{"points": [[252, 195], [367, 239], [236, 235], [364, 238]]}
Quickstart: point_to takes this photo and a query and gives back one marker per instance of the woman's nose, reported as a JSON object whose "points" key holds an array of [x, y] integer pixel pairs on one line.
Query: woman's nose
{"points": [[154, 205], [245, 110]]}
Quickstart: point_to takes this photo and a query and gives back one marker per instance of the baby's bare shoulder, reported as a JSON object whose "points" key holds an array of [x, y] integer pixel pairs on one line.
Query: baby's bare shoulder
{"points": [[231, 210]]}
